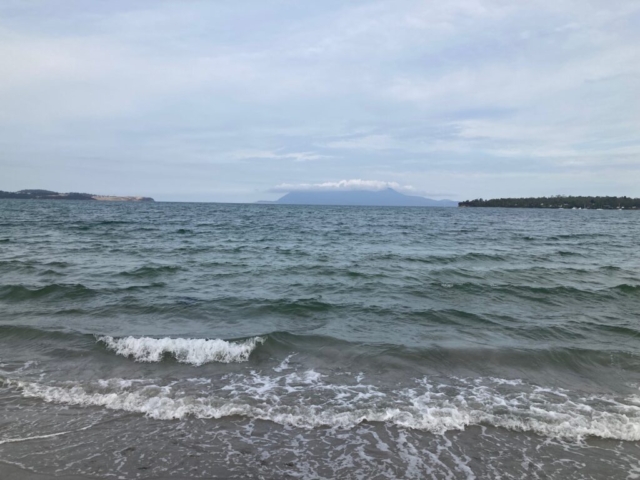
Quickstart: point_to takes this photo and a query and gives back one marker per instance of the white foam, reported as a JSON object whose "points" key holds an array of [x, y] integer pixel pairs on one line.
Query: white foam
{"points": [[634, 399], [284, 365], [304, 400], [195, 351], [41, 437]]}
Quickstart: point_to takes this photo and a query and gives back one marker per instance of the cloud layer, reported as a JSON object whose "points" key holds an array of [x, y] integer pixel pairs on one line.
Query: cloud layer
{"points": [[216, 101], [342, 185]]}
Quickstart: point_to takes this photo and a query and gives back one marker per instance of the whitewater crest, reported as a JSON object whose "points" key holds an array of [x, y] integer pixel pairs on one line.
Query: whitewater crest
{"points": [[195, 351]]}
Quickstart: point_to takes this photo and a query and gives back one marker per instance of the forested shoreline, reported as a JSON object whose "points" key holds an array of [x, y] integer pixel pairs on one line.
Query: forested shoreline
{"points": [[559, 201]]}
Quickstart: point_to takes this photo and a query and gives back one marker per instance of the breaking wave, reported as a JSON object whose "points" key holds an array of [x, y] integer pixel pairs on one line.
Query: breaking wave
{"points": [[195, 351], [303, 400]]}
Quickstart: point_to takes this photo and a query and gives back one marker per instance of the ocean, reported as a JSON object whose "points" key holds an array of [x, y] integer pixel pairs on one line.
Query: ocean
{"points": [[168, 340]]}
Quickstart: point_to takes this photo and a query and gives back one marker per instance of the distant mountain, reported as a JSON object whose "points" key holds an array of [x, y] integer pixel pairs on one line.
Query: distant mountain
{"points": [[382, 198], [49, 195]]}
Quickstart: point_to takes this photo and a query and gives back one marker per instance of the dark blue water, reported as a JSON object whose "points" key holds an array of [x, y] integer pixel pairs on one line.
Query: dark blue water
{"points": [[257, 341]]}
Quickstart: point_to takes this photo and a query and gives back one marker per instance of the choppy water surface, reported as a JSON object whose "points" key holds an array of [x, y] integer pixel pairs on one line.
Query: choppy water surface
{"points": [[249, 341]]}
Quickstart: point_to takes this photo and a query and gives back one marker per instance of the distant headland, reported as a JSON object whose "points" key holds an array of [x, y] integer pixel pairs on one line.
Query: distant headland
{"points": [[559, 201], [381, 198], [49, 195]]}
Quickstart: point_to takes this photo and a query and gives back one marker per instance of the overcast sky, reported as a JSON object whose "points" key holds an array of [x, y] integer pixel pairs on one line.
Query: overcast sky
{"points": [[242, 100]]}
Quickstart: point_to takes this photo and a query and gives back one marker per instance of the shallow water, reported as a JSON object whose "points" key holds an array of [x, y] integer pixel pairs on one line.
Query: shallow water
{"points": [[233, 341]]}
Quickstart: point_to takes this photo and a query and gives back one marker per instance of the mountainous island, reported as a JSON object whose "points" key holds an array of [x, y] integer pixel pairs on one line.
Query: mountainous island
{"points": [[559, 201], [382, 198], [49, 195]]}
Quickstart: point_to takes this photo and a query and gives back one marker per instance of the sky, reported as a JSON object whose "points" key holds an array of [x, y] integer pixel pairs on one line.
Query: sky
{"points": [[245, 100]]}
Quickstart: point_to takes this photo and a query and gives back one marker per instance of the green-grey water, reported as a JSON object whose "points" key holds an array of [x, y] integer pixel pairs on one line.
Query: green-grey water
{"points": [[256, 341]]}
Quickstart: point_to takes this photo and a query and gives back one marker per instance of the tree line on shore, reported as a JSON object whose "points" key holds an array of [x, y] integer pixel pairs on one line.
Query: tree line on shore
{"points": [[558, 201], [45, 195]]}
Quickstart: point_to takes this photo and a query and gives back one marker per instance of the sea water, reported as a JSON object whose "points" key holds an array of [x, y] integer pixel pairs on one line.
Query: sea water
{"points": [[175, 340]]}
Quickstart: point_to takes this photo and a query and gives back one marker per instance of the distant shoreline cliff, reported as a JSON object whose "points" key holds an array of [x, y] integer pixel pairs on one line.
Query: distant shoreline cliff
{"points": [[559, 201], [50, 195]]}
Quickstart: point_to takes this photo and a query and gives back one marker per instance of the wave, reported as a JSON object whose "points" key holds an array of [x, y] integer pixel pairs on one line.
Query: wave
{"points": [[54, 263], [195, 351], [442, 259], [275, 344], [566, 253], [67, 291], [302, 306], [151, 271], [303, 400], [582, 235], [543, 293], [90, 225], [629, 289], [111, 222], [15, 266], [22, 292], [133, 288], [24, 332]]}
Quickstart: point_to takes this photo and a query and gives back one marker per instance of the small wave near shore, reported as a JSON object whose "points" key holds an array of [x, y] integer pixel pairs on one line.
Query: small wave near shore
{"points": [[194, 351], [305, 400]]}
